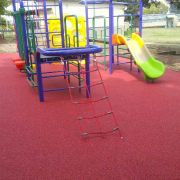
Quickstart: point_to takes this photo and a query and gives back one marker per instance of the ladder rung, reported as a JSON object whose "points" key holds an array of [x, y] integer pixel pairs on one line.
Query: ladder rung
{"points": [[96, 83], [85, 86], [103, 98], [96, 116], [85, 134], [90, 100], [57, 89]]}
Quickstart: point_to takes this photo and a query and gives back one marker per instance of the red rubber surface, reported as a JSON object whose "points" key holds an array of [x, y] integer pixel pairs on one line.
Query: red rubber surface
{"points": [[41, 140]]}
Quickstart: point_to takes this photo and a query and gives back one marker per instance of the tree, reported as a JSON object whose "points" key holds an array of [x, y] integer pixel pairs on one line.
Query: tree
{"points": [[3, 5], [146, 3], [175, 3], [156, 9]]}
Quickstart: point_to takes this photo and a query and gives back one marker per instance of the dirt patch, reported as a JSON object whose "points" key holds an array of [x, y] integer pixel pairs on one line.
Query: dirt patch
{"points": [[8, 48], [8, 45], [169, 54]]}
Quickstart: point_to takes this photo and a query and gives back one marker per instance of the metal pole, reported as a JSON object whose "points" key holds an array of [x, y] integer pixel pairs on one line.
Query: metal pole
{"points": [[61, 22], [39, 77], [46, 23], [140, 16], [87, 23], [88, 91], [111, 31]]}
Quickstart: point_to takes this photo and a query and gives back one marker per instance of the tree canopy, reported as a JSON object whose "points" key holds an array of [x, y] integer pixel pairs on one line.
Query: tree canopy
{"points": [[175, 3], [3, 5]]}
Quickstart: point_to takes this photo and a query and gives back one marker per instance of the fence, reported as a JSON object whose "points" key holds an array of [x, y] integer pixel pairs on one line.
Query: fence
{"points": [[161, 20]]}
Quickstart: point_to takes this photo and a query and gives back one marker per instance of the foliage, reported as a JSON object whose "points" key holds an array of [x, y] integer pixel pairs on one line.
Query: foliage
{"points": [[158, 8], [175, 3], [5, 25], [3, 5], [2, 22], [146, 3]]}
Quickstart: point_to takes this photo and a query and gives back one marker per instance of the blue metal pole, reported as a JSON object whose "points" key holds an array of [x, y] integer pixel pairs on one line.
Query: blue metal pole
{"points": [[88, 91], [87, 22], [61, 22], [14, 5], [111, 31], [140, 16], [39, 77], [46, 23]]}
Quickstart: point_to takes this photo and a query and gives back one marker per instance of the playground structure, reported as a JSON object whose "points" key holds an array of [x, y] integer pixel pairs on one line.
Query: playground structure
{"points": [[37, 45], [102, 27], [106, 30], [46, 37], [38, 25], [47, 27]]}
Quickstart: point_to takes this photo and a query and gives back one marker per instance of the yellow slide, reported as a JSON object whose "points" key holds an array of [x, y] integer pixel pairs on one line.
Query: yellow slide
{"points": [[151, 67]]}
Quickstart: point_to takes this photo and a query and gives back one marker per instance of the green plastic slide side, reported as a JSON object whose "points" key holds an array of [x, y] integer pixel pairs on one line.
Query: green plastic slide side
{"points": [[152, 68]]}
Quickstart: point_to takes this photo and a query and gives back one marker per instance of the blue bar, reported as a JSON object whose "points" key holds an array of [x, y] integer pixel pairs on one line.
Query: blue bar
{"points": [[39, 77], [87, 23], [111, 31], [93, 1], [88, 91], [57, 89], [140, 16], [46, 77], [46, 23], [62, 22]]}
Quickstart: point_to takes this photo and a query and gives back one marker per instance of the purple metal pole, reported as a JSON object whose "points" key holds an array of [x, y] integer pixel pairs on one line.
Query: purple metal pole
{"points": [[14, 5], [39, 77], [46, 23], [140, 16], [88, 91], [62, 22], [111, 31], [87, 22]]}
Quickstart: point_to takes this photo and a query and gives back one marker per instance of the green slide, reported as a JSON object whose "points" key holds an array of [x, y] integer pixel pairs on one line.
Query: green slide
{"points": [[151, 67]]}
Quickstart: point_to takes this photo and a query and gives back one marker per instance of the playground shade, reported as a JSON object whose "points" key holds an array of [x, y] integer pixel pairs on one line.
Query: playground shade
{"points": [[151, 67]]}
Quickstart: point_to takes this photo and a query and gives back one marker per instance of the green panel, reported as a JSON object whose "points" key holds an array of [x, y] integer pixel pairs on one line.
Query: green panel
{"points": [[19, 30]]}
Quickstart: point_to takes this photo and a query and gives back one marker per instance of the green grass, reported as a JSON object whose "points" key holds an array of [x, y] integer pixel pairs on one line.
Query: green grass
{"points": [[161, 35]]}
